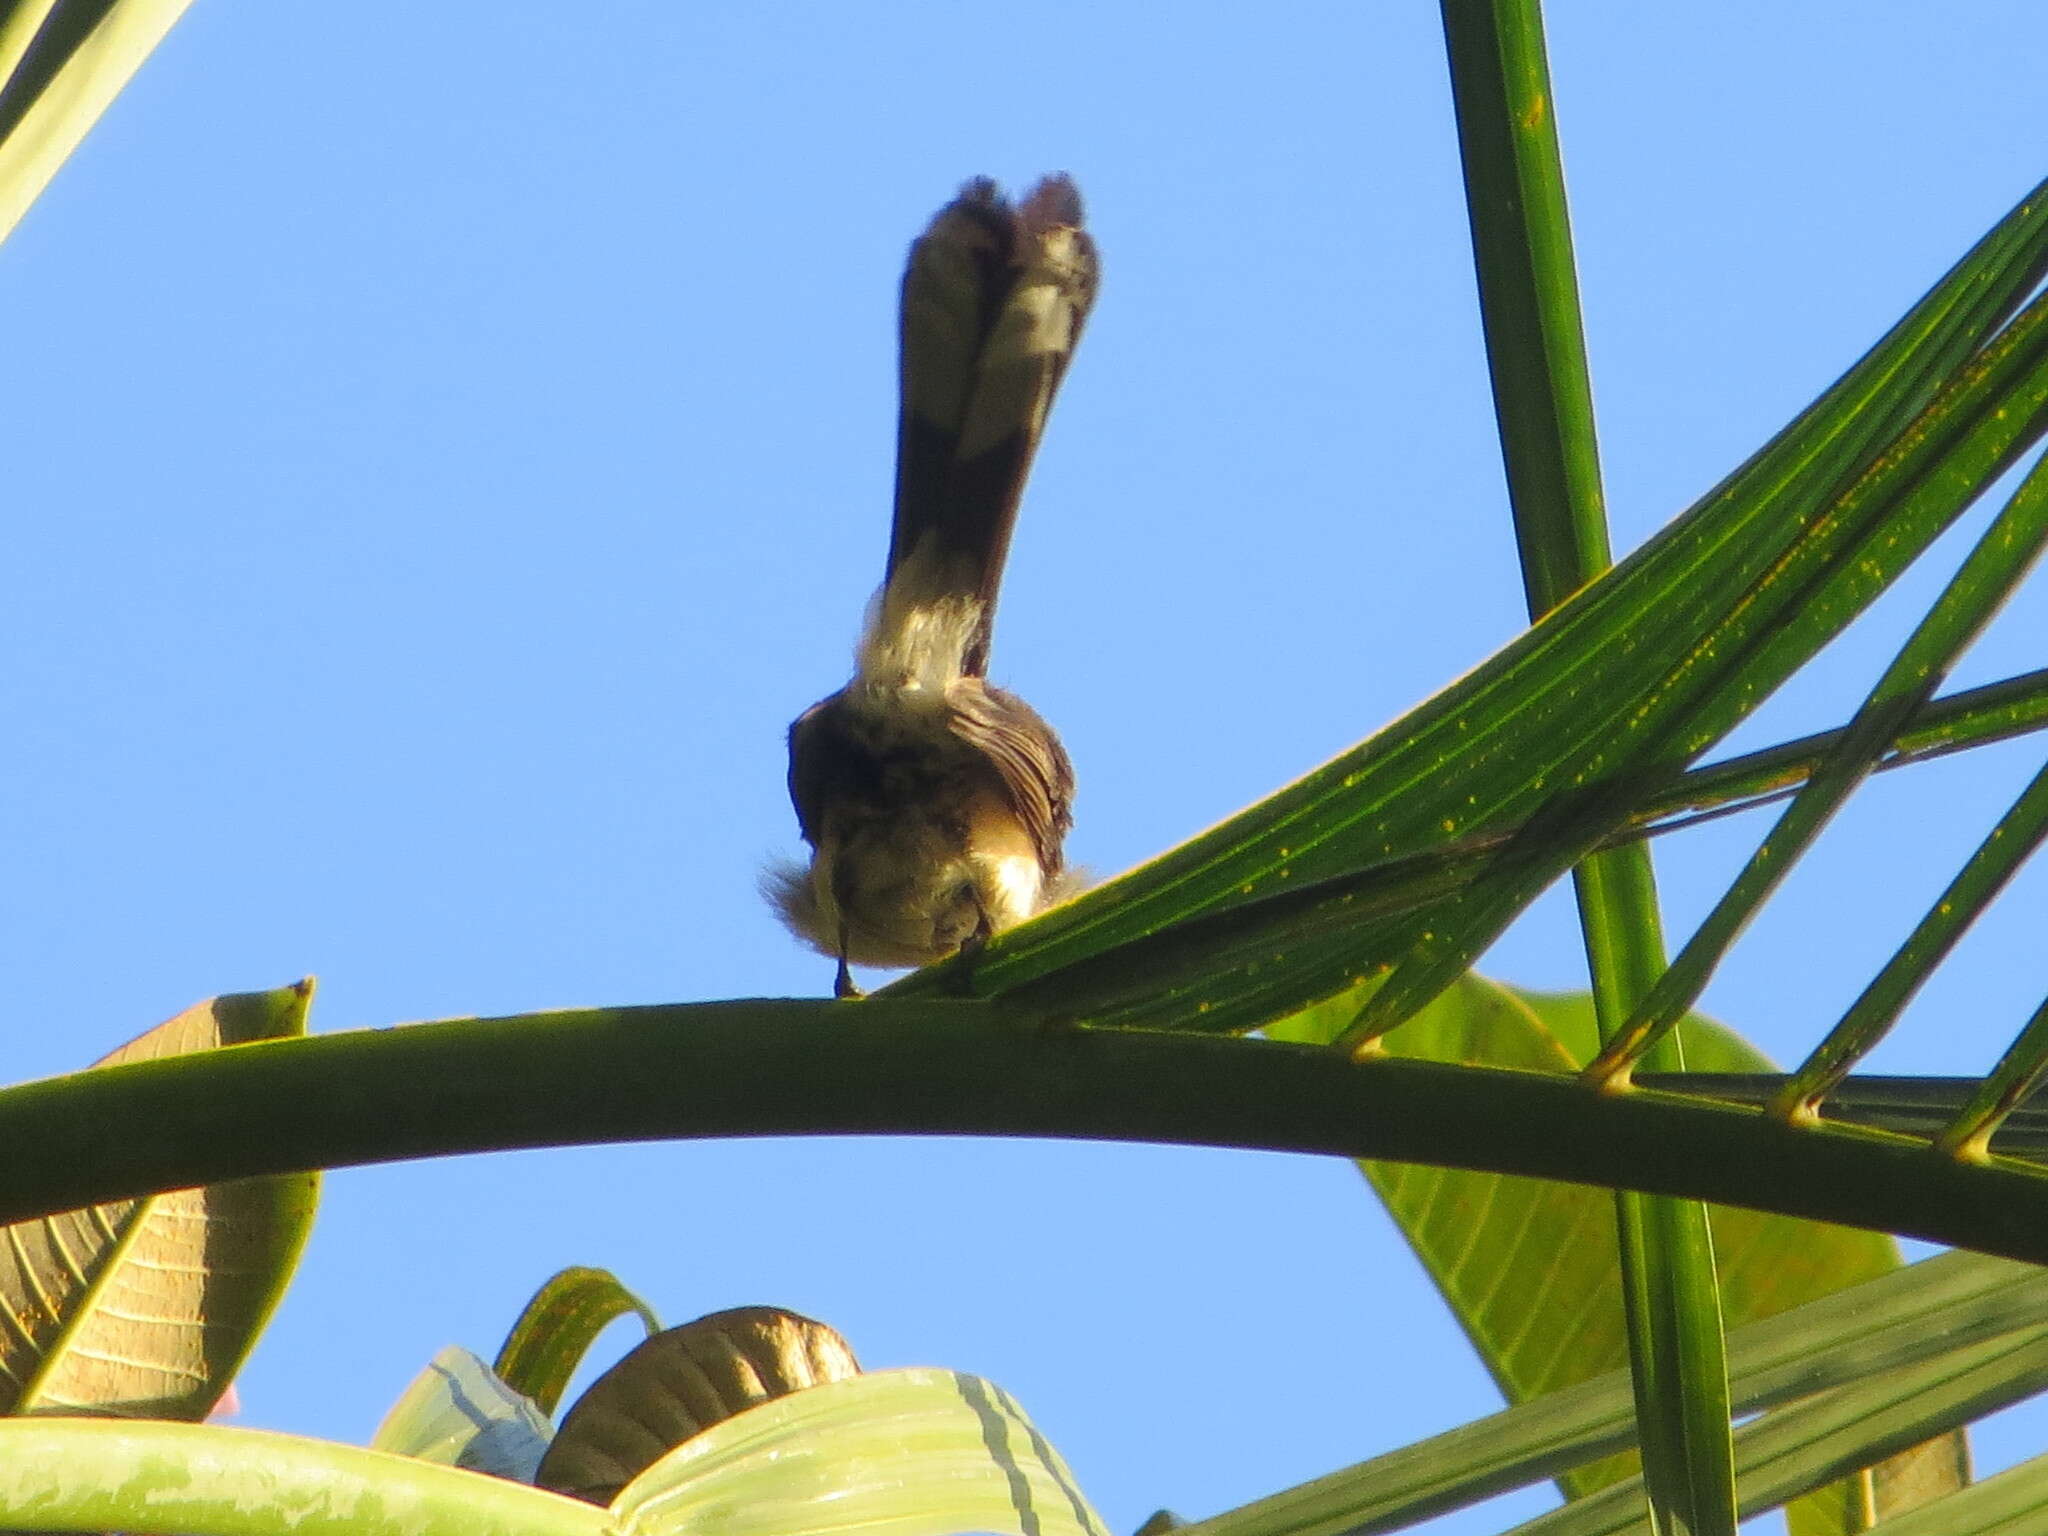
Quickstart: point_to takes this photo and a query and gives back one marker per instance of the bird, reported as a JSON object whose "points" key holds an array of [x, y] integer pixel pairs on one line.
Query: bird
{"points": [[936, 805]]}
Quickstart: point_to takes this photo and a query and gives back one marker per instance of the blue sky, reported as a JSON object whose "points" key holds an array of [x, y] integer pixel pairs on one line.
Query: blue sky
{"points": [[450, 443]]}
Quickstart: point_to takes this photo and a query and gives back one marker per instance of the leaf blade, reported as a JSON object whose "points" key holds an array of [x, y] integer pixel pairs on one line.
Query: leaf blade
{"points": [[148, 1307], [917, 1452]]}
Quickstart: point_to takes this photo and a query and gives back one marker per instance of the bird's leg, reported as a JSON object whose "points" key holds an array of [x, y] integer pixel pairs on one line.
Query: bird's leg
{"points": [[842, 984], [971, 947]]}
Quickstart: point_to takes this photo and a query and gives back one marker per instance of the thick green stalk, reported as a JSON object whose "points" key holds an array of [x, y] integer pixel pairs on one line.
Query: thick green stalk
{"points": [[1521, 241], [789, 1067]]}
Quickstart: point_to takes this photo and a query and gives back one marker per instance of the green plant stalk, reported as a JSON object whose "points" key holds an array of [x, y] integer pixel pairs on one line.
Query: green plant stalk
{"points": [[1920, 1107], [1996, 860], [1528, 293], [1522, 250], [2011, 1083], [1668, 1282], [812, 1067], [1980, 586]]}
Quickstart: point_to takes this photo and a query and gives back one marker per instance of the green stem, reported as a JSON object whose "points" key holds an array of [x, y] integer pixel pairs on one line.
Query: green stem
{"points": [[789, 1067], [1535, 342]]}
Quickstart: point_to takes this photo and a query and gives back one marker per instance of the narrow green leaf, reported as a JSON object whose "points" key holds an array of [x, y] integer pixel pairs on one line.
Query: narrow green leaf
{"points": [[149, 1307], [1996, 860], [154, 1479], [1980, 586], [557, 1327], [1921, 1312], [1815, 1439], [891, 1453], [1174, 960], [1536, 716], [1974, 717], [1836, 562], [1177, 960], [1820, 570]]}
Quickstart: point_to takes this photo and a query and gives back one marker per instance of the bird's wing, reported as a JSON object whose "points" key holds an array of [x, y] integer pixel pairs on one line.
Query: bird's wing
{"points": [[823, 757], [1037, 778]]}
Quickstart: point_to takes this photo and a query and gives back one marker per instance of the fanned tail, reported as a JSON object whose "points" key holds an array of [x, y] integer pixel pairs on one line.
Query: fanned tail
{"points": [[994, 298]]}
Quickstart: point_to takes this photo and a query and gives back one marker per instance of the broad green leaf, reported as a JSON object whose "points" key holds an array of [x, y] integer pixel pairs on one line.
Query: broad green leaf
{"points": [[156, 1479], [1924, 1312], [458, 1413], [891, 1453], [62, 62], [1528, 1266], [678, 1384], [149, 1307], [557, 1328], [895, 1453]]}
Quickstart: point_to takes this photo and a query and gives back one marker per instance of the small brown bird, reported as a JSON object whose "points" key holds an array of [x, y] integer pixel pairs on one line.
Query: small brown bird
{"points": [[935, 804]]}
